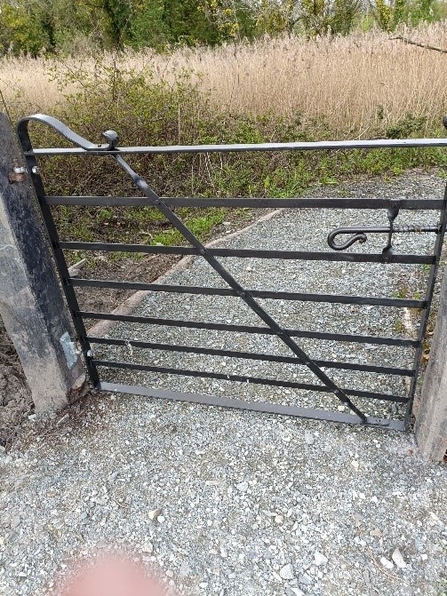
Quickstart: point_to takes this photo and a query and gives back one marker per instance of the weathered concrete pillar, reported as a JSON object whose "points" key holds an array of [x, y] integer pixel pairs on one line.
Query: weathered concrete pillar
{"points": [[31, 302], [431, 415]]}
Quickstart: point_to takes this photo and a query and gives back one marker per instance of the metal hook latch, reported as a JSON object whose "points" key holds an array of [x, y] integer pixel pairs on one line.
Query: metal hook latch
{"points": [[359, 233]]}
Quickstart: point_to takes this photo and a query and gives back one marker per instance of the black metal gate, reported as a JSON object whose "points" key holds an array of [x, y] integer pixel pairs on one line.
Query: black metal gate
{"points": [[351, 401]]}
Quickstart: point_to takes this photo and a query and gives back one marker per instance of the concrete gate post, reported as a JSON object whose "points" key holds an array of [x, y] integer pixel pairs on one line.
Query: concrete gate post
{"points": [[431, 415], [31, 301]]}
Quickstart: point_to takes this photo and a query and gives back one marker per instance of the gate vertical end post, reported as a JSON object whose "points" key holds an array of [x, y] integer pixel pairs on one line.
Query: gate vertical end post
{"points": [[31, 302], [431, 414]]}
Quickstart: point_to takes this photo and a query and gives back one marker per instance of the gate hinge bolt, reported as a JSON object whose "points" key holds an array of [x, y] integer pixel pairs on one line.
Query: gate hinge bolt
{"points": [[35, 170], [17, 174], [89, 354]]}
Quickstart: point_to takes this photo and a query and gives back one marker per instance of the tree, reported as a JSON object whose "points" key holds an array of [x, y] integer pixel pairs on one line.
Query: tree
{"points": [[23, 30], [274, 18], [344, 16], [148, 27], [323, 17], [233, 19], [389, 13], [33, 26]]}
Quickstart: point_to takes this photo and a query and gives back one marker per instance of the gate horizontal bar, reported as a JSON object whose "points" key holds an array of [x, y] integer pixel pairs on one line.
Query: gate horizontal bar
{"points": [[403, 372], [252, 254], [267, 295], [264, 407], [363, 339], [280, 203], [239, 148], [184, 372]]}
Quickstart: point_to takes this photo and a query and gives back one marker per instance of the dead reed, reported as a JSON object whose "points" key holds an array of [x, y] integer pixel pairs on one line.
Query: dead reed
{"points": [[355, 86]]}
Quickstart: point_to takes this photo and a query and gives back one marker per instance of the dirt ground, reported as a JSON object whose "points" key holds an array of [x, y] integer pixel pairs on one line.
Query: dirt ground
{"points": [[15, 397]]}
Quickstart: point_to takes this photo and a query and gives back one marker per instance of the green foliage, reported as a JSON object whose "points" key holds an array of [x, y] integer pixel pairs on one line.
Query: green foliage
{"points": [[408, 126], [274, 18], [33, 26], [23, 29], [62, 26], [149, 26], [231, 19], [323, 17], [160, 24], [389, 14], [344, 16], [429, 11], [117, 21], [315, 17]]}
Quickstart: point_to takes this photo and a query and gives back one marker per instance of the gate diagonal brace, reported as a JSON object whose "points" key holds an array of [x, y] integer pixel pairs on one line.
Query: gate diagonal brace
{"points": [[156, 201], [231, 281]]}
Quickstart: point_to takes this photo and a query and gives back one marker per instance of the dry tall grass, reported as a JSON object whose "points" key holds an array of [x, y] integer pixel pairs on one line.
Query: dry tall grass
{"points": [[354, 85]]}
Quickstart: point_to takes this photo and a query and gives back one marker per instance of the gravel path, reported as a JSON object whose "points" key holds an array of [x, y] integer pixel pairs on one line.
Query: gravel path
{"points": [[305, 229], [237, 503]]}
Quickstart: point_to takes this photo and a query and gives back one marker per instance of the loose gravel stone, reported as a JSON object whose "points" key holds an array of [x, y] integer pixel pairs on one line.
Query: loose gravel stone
{"points": [[242, 487], [386, 563], [320, 559], [309, 437], [147, 547], [293, 591], [154, 514], [398, 559], [286, 572]]}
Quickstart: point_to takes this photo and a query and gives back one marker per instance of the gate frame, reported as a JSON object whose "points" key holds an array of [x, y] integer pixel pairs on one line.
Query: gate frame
{"points": [[164, 205]]}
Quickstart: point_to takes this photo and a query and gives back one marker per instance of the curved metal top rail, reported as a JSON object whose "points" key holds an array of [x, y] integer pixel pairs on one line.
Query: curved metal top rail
{"points": [[85, 146]]}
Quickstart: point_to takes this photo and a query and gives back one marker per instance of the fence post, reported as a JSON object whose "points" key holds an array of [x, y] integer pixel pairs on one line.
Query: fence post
{"points": [[31, 302], [431, 415]]}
